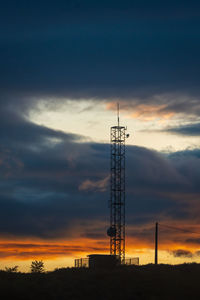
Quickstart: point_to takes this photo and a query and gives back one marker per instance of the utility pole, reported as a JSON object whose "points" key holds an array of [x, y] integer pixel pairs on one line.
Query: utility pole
{"points": [[156, 243]]}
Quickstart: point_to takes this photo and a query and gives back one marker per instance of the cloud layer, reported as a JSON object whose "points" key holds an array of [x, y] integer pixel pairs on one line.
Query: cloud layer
{"points": [[54, 185], [104, 50], [187, 130]]}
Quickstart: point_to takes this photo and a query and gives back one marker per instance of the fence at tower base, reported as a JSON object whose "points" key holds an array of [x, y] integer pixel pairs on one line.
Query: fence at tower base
{"points": [[81, 263], [132, 261], [103, 261]]}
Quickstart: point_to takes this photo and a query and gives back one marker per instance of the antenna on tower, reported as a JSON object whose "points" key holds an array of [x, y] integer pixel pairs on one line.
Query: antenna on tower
{"points": [[118, 113]]}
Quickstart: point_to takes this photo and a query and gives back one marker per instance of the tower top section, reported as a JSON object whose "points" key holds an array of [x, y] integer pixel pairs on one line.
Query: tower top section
{"points": [[118, 120], [118, 114]]}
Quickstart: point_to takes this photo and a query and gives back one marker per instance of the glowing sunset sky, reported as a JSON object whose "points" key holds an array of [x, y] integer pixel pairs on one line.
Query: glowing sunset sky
{"points": [[63, 66]]}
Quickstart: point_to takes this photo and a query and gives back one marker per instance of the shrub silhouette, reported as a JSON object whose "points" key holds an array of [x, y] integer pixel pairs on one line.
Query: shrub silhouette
{"points": [[11, 269], [37, 266]]}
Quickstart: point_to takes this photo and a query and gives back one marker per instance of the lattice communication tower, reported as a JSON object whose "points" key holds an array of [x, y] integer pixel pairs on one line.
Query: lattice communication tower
{"points": [[116, 231]]}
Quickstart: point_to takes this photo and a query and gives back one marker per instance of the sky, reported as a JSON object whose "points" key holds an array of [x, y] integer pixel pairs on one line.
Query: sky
{"points": [[64, 66]]}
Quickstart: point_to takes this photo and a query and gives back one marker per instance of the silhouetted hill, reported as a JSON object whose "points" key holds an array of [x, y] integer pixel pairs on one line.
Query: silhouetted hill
{"points": [[132, 282]]}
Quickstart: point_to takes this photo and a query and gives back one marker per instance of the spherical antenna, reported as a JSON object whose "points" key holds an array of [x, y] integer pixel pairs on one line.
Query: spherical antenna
{"points": [[111, 231]]}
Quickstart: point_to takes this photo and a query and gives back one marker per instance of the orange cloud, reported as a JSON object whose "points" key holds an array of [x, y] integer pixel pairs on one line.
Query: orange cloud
{"points": [[99, 185], [143, 112], [90, 240], [26, 251], [140, 240]]}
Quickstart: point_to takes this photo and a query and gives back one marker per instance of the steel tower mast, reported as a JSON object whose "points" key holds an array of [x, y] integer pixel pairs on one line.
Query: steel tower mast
{"points": [[117, 190]]}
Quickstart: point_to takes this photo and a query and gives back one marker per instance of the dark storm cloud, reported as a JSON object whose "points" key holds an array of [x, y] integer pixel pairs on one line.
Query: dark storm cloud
{"points": [[185, 253], [101, 49], [54, 184], [193, 241], [182, 253], [40, 171], [16, 129], [188, 130]]}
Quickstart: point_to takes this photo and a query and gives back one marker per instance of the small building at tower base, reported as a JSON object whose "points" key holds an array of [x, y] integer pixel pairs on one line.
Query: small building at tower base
{"points": [[103, 261]]}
